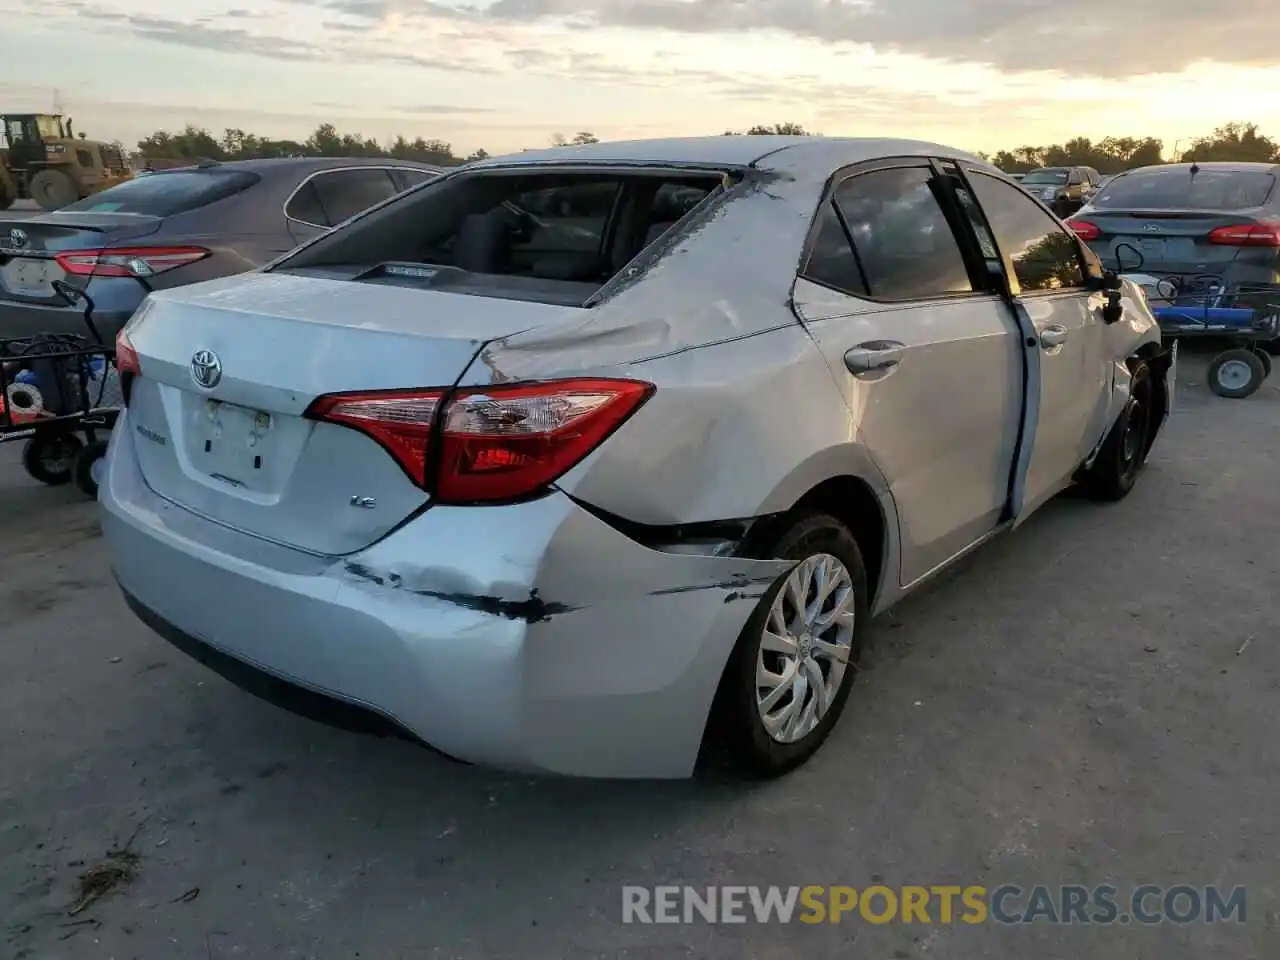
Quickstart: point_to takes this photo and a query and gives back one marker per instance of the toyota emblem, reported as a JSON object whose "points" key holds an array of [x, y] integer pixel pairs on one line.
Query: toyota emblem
{"points": [[206, 369], [1151, 228], [17, 238]]}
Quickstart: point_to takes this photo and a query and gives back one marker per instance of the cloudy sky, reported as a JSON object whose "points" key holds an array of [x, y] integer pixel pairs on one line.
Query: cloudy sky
{"points": [[507, 74]]}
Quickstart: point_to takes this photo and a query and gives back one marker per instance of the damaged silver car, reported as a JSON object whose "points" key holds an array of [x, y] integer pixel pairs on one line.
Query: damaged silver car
{"points": [[601, 460]]}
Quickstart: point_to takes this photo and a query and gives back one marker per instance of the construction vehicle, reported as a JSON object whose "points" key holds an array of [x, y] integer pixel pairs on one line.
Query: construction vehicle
{"points": [[42, 159]]}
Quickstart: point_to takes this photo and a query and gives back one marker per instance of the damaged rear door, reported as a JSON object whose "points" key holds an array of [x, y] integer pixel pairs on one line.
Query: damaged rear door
{"points": [[922, 348]]}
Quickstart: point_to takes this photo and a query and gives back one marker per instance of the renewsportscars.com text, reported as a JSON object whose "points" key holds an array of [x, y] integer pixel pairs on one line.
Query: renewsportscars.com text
{"points": [[1145, 904]]}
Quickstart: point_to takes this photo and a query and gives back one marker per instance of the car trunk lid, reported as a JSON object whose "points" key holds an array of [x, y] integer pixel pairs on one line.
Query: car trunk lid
{"points": [[230, 367], [29, 248], [1169, 241]]}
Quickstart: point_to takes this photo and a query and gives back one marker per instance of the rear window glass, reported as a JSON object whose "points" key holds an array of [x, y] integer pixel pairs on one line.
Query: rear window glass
{"points": [[1046, 176], [165, 194], [577, 228], [1177, 189]]}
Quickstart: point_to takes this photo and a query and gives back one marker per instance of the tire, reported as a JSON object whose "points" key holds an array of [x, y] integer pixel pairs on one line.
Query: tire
{"points": [[1236, 374], [8, 193], [738, 728], [1266, 362], [86, 460], [51, 457], [1062, 208], [53, 189], [1124, 453]]}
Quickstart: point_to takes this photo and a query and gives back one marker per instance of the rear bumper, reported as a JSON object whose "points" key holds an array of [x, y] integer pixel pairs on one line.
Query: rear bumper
{"points": [[531, 637], [27, 320]]}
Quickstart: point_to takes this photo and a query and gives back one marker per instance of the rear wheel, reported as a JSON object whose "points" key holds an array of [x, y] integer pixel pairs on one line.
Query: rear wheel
{"points": [[8, 191], [51, 457], [53, 189], [88, 465], [1236, 374], [790, 673]]}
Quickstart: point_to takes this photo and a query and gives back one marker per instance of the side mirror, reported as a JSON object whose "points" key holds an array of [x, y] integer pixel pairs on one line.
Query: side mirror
{"points": [[1111, 284]]}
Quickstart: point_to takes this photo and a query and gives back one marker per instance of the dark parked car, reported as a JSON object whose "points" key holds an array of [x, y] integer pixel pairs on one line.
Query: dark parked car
{"points": [[175, 227], [1211, 224], [1062, 189]]}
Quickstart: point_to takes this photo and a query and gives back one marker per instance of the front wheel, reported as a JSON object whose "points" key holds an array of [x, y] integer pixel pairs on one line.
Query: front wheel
{"points": [[790, 673], [53, 189], [1236, 374], [1124, 453]]}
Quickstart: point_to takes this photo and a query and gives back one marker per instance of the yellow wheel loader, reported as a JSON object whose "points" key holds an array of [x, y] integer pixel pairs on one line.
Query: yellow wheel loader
{"points": [[42, 159]]}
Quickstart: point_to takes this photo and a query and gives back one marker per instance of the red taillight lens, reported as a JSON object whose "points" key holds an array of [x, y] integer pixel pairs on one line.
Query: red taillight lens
{"points": [[1247, 235], [127, 365], [508, 442], [138, 262], [495, 445], [1085, 230]]}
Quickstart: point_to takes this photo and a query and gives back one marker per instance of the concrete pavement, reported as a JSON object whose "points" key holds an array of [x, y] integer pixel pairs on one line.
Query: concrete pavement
{"points": [[1090, 699]]}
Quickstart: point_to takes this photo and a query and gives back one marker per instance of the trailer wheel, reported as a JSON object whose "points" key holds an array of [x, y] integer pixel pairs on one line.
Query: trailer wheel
{"points": [[1236, 374], [53, 189], [51, 457], [88, 466]]}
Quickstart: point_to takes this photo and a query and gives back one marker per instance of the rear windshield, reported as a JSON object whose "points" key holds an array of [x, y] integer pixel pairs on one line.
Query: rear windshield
{"points": [[506, 234], [1177, 189], [1046, 176], [167, 193]]}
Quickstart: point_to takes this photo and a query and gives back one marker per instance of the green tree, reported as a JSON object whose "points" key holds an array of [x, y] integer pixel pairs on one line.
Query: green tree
{"points": [[1235, 141], [767, 130]]}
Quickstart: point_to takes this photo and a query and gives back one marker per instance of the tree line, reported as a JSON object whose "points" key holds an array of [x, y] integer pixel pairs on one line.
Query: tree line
{"points": [[1233, 141]]}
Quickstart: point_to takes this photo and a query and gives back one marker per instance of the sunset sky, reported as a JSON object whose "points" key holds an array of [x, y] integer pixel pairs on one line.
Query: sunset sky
{"points": [[507, 74]]}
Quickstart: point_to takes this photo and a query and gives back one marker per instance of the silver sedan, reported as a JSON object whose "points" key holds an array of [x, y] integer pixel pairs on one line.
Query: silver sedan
{"points": [[601, 460]]}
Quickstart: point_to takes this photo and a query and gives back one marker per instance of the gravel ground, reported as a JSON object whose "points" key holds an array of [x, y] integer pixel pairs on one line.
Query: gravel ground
{"points": [[1072, 706]]}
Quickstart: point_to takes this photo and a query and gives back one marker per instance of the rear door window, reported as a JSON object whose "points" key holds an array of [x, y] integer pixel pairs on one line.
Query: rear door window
{"points": [[345, 193], [304, 206], [167, 193], [903, 241], [1045, 256], [1177, 189], [832, 261], [409, 177]]}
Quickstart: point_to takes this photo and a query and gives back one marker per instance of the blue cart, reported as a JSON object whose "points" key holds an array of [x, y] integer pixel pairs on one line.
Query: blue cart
{"points": [[1246, 316]]}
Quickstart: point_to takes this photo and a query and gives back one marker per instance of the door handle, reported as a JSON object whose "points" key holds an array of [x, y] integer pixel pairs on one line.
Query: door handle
{"points": [[1054, 335], [874, 355]]}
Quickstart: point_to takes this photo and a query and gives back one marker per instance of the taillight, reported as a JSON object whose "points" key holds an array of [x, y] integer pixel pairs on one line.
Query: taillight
{"points": [[494, 445], [127, 365], [1247, 235], [1085, 230], [138, 262]]}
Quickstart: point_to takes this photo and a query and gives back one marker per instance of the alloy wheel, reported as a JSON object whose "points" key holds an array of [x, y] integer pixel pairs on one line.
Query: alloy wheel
{"points": [[806, 648]]}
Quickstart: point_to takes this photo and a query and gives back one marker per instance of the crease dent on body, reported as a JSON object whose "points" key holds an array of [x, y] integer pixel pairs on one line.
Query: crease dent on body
{"points": [[530, 608]]}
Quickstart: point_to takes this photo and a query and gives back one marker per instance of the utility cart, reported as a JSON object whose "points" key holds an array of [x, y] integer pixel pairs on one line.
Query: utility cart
{"points": [[1246, 316], [60, 395]]}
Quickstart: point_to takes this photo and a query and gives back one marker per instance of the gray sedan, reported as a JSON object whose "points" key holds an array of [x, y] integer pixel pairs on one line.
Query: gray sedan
{"points": [[173, 227], [603, 508]]}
